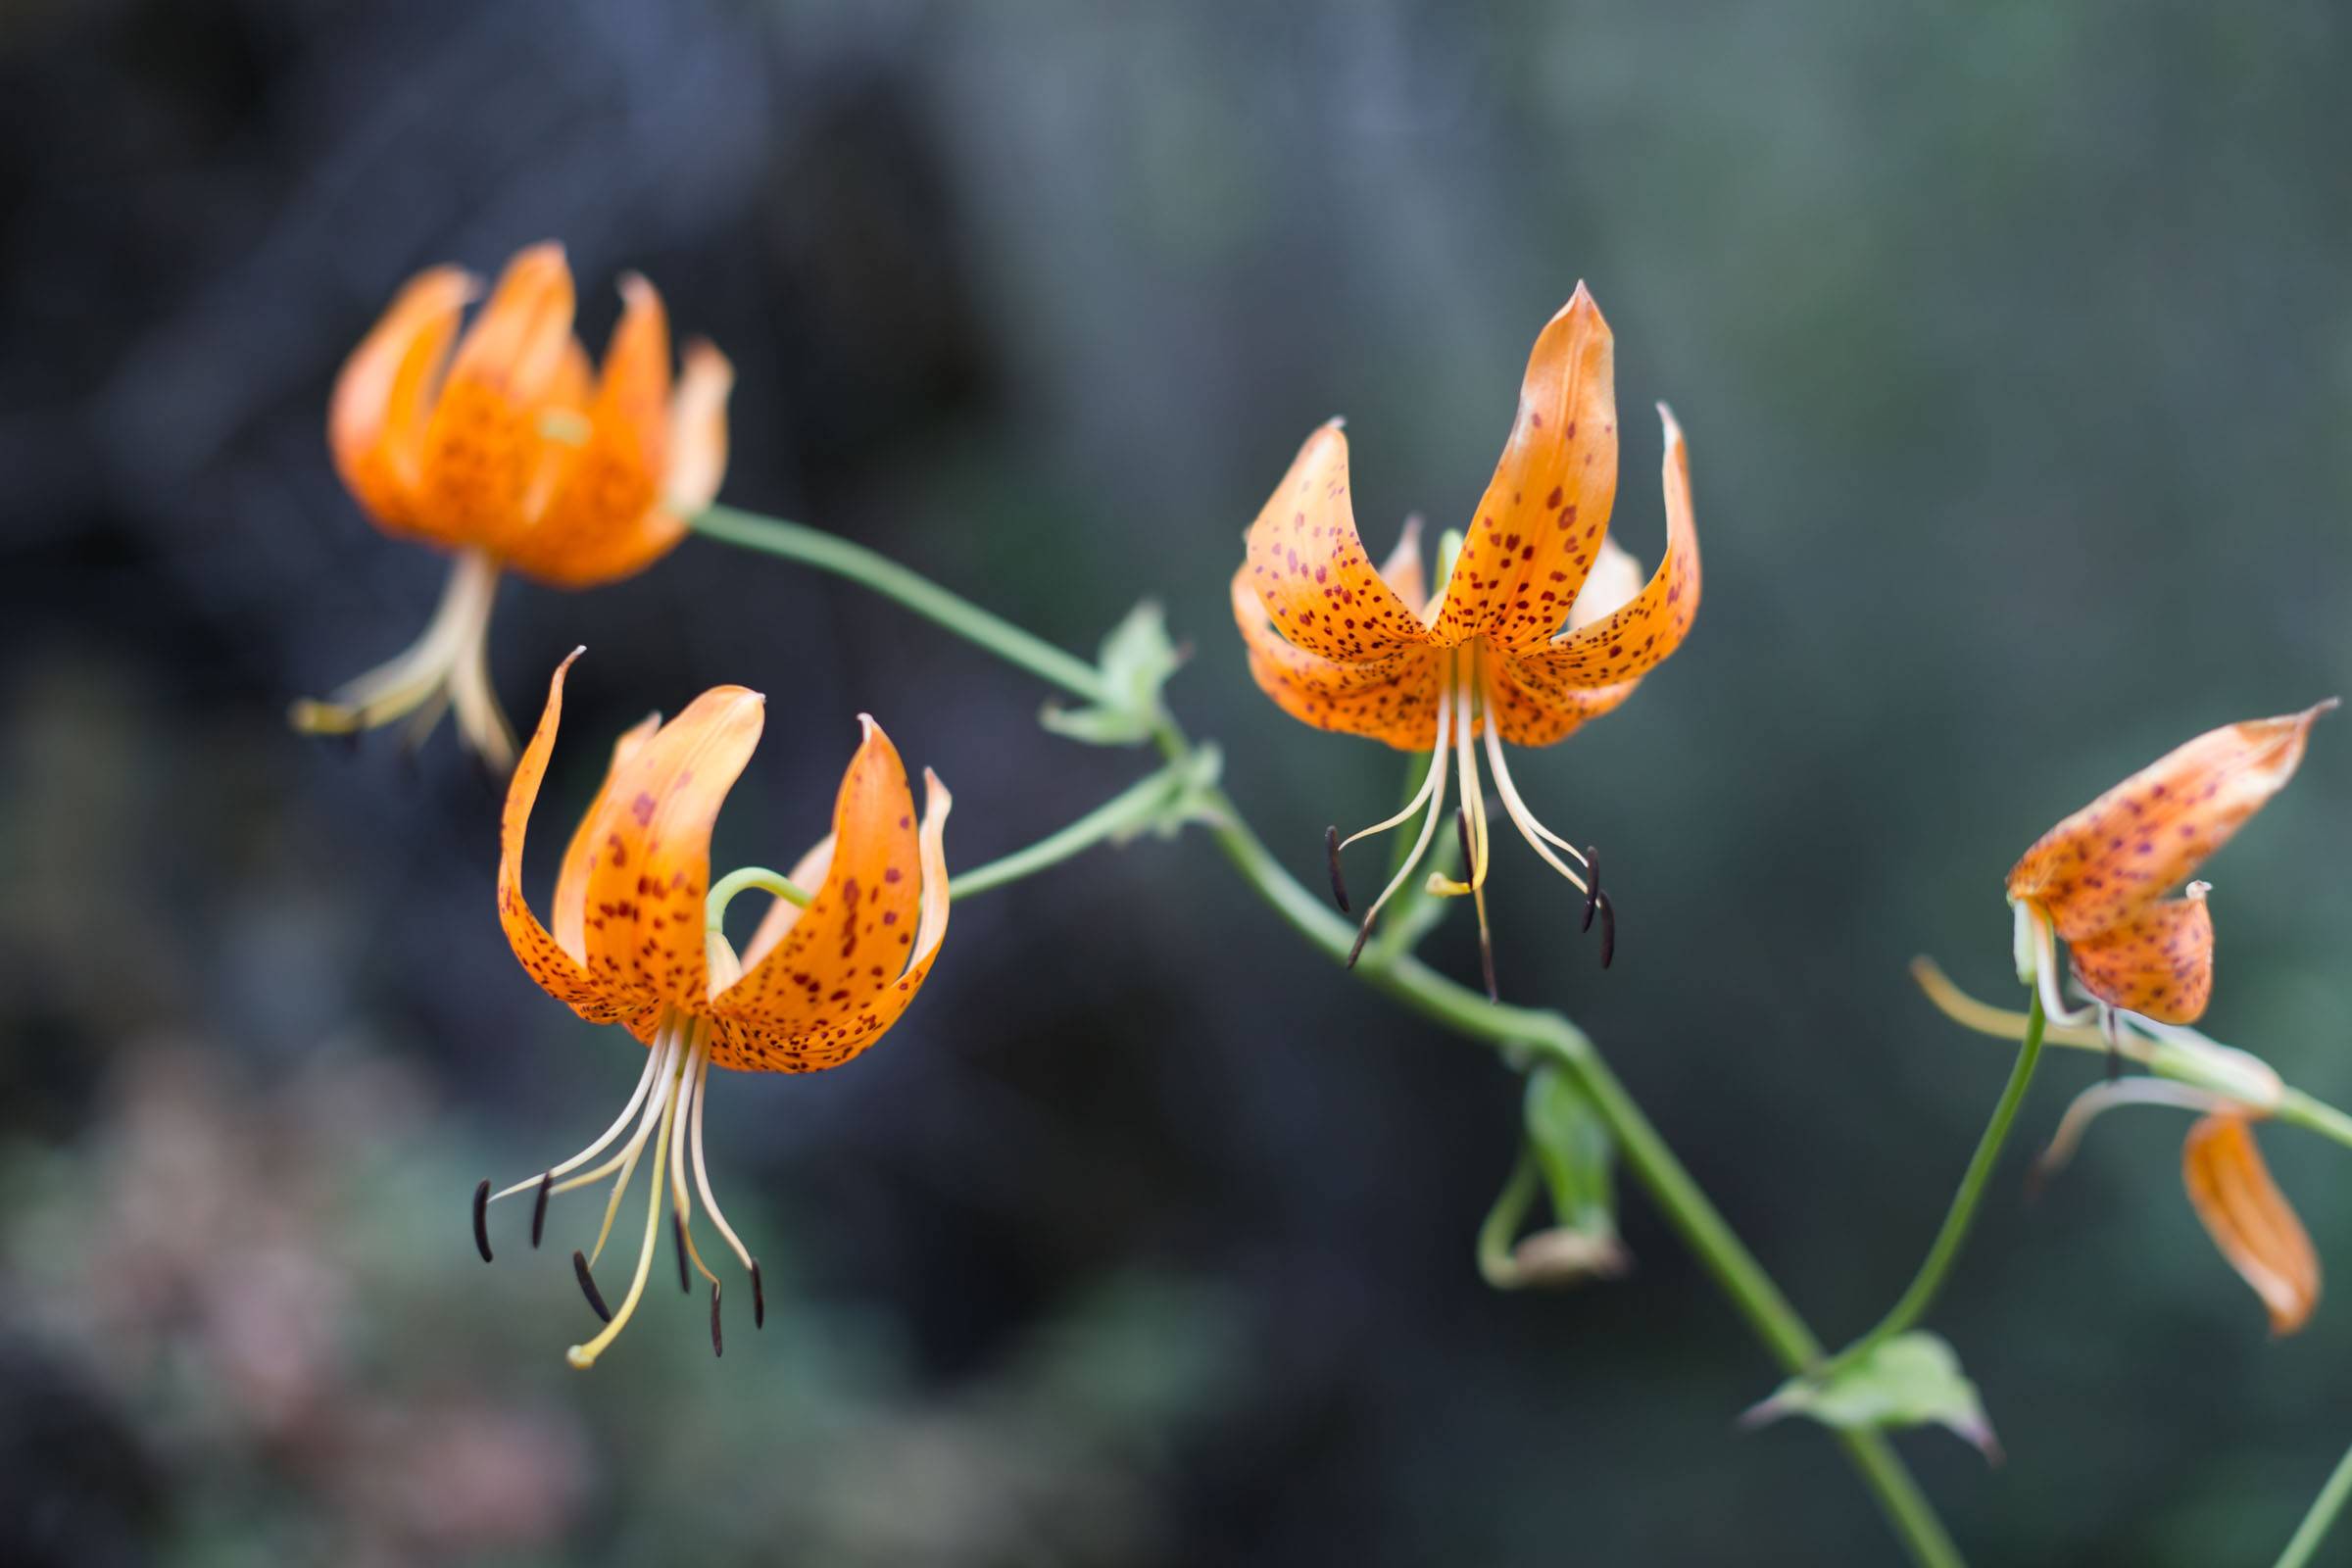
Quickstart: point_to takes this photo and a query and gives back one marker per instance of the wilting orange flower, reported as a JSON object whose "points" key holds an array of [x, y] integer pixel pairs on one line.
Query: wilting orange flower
{"points": [[1543, 623], [2098, 879], [2250, 1220], [633, 943], [513, 453]]}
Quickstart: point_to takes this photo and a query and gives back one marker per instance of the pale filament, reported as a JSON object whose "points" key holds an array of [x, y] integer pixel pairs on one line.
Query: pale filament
{"points": [[688, 1082], [1432, 794], [1474, 794], [2102, 1098], [584, 1356], [701, 1175], [645, 1081], [1535, 832]]}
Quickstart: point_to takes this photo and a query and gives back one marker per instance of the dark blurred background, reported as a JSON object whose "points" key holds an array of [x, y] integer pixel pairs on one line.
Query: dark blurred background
{"points": [[2015, 347]]}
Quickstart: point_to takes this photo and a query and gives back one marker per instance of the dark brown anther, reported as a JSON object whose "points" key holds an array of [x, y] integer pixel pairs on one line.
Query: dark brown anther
{"points": [[1608, 927], [1339, 883], [596, 1297], [1363, 933], [677, 1231], [1592, 885], [758, 1298], [1462, 826], [1486, 962], [481, 1219], [539, 1210], [718, 1344]]}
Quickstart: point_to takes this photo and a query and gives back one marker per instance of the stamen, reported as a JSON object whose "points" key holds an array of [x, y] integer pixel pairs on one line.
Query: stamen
{"points": [[1432, 795], [424, 676], [1486, 941], [596, 1297], [481, 1218], [584, 1356], [1538, 837], [1339, 883], [677, 1226], [758, 1298], [702, 1173], [1608, 927], [539, 1212], [653, 1060], [681, 1209], [1592, 892], [2102, 1098], [718, 1344]]}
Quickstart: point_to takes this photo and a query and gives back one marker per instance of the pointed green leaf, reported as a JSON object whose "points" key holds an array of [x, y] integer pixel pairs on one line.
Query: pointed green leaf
{"points": [[1912, 1380]]}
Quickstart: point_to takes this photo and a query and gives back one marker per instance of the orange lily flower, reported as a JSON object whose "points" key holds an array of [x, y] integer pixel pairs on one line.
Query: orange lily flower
{"points": [[511, 453], [2250, 1220], [2098, 879], [1542, 624], [633, 943]]}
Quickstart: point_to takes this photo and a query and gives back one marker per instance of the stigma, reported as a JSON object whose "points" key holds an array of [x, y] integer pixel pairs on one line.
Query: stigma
{"points": [[1466, 713], [664, 1112]]}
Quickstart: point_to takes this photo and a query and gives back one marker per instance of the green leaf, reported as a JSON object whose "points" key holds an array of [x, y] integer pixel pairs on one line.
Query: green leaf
{"points": [[1134, 663], [1912, 1380], [1574, 1151]]}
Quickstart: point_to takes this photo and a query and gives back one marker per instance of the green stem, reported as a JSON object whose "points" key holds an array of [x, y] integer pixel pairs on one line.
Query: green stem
{"points": [[723, 893], [1502, 1227], [1915, 1301], [1128, 811], [1419, 988], [792, 541], [2324, 1509]]}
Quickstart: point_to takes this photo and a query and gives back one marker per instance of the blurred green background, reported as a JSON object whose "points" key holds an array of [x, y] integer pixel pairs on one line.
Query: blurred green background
{"points": [[2013, 343]]}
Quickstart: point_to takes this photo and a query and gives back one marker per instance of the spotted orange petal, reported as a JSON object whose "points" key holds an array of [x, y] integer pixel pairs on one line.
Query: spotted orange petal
{"points": [[2250, 1220], [2149, 832], [648, 844], [559, 973], [1533, 708], [828, 979], [1309, 570], [489, 461], [568, 919], [375, 420], [1630, 641], [2157, 961], [1392, 699], [1538, 527], [595, 527]]}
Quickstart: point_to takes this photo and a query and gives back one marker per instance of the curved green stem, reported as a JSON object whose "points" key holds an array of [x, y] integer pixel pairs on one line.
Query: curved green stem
{"points": [[1914, 1301], [792, 541], [723, 893], [2321, 1517], [1727, 1260], [1130, 812]]}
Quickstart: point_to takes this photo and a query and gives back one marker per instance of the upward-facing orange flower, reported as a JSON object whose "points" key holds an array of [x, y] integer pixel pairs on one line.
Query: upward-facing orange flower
{"points": [[513, 454], [636, 941], [2099, 878], [1542, 624]]}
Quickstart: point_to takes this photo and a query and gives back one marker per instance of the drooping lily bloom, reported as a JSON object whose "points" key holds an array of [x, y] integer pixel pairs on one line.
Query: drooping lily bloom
{"points": [[635, 939], [513, 453], [1542, 623], [2099, 879]]}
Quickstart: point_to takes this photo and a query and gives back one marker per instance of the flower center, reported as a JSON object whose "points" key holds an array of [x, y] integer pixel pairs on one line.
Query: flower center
{"points": [[666, 1108], [1465, 703]]}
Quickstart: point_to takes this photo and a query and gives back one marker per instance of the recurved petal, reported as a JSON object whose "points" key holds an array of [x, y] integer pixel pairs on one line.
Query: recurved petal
{"points": [[830, 978], [487, 465], [558, 972], [1392, 699], [375, 420], [1631, 640], [1308, 567], [698, 430], [1535, 707], [1538, 527], [2146, 834], [647, 849], [2157, 961], [603, 519], [2250, 1220], [572, 878]]}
